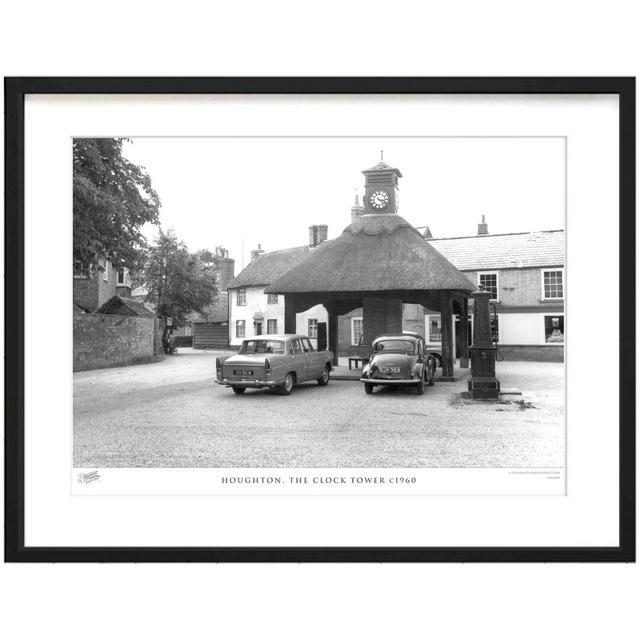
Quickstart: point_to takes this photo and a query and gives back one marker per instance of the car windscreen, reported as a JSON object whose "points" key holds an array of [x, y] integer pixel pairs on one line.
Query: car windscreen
{"points": [[394, 346], [261, 346]]}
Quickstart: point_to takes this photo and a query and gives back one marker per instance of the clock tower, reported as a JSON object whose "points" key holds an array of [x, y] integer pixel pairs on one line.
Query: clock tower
{"points": [[381, 189]]}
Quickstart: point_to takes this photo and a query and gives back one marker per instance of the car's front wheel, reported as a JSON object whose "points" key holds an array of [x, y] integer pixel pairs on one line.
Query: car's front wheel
{"points": [[368, 387], [238, 390], [287, 385], [323, 380]]}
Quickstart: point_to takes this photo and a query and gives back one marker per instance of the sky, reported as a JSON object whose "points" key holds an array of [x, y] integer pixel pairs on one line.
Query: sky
{"points": [[240, 192]]}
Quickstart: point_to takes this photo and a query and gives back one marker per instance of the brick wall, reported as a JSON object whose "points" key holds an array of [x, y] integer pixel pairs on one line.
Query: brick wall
{"points": [[535, 353], [516, 287], [110, 340]]}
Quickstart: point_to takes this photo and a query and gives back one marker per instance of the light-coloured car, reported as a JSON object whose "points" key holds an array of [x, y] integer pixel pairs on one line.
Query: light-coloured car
{"points": [[274, 362], [399, 360]]}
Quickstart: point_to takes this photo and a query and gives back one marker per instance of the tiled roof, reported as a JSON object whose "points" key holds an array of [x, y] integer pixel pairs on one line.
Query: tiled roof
{"points": [[504, 251], [267, 267]]}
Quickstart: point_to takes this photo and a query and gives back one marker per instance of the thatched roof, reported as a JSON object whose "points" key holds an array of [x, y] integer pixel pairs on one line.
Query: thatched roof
{"points": [[124, 307], [377, 252], [267, 267], [504, 251]]}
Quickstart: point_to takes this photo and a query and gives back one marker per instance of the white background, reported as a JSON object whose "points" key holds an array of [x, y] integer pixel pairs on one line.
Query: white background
{"points": [[587, 516], [490, 38]]}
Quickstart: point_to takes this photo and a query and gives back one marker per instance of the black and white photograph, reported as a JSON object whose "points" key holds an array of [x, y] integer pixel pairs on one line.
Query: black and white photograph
{"points": [[319, 302], [303, 326]]}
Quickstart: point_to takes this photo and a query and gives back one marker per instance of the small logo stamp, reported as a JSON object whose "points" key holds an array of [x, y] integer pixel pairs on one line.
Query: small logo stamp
{"points": [[88, 477]]}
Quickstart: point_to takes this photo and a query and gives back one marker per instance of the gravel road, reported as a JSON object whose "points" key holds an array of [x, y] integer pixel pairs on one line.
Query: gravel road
{"points": [[172, 414]]}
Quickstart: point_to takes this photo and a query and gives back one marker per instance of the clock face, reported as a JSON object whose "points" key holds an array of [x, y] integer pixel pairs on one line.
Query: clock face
{"points": [[379, 199]]}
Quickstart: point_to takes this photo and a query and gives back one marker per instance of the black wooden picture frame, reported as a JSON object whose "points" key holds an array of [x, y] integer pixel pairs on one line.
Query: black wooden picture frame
{"points": [[15, 91]]}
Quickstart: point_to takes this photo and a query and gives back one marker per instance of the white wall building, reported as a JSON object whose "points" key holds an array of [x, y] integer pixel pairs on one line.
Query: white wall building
{"points": [[252, 312]]}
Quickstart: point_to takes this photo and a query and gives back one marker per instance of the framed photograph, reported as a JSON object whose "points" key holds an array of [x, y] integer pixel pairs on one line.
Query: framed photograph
{"points": [[320, 319]]}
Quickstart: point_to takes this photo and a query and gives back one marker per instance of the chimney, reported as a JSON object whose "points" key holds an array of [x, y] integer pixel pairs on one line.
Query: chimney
{"points": [[256, 252], [226, 271], [357, 209], [317, 234], [483, 228], [427, 235]]}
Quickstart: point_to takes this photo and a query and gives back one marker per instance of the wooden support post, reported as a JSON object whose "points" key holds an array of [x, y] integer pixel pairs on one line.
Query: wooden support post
{"points": [[332, 327], [289, 313], [464, 334], [447, 334]]}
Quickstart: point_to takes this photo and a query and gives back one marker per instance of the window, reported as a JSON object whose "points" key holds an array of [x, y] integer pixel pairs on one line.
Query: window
{"points": [[261, 346], [272, 326], [272, 298], [188, 330], [296, 346], [552, 284], [80, 270], [489, 281], [240, 328], [435, 330], [306, 345], [312, 330], [357, 329], [123, 274], [554, 329], [105, 273], [242, 297]]}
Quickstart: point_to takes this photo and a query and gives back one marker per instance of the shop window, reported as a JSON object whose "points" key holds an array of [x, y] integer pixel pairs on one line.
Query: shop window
{"points": [[554, 329]]}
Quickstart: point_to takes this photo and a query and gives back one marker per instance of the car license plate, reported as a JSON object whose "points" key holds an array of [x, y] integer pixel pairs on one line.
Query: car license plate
{"points": [[243, 372], [389, 369]]}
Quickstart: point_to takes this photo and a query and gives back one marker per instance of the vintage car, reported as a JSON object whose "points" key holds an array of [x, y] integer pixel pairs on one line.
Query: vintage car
{"points": [[274, 362], [400, 359]]}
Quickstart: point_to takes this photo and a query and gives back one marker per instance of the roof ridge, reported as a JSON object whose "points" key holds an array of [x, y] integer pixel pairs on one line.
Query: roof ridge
{"points": [[494, 235]]}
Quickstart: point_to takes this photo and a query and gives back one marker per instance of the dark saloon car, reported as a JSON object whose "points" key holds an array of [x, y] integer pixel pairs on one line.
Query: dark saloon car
{"points": [[399, 360], [274, 362]]}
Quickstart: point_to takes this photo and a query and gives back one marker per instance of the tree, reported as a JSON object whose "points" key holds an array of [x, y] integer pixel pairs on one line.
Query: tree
{"points": [[112, 200], [178, 282]]}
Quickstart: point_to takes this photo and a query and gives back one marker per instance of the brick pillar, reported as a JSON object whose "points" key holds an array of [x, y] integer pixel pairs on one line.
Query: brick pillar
{"points": [[379, 316], [289, 313], [464, 335], [447, 334]]}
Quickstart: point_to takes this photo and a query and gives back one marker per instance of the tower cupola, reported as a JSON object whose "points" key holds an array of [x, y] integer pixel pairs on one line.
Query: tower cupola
{"points": [[381, 188]]}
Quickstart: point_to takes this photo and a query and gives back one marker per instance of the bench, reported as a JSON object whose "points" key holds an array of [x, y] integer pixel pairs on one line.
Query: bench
{"points": [[359, 355], [355, 361]]}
